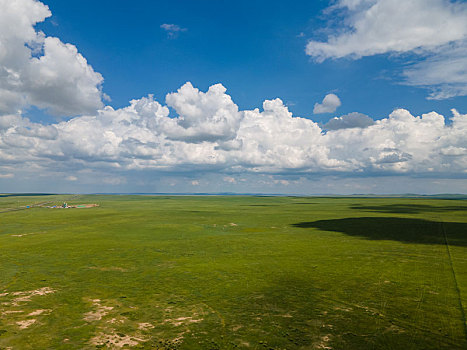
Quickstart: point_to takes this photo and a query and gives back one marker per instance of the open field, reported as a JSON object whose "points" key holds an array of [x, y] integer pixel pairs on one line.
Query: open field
{"points": [[161, 272]]}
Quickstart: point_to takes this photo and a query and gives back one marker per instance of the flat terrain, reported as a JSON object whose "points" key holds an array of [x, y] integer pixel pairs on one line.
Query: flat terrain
{"points": [[161, 272]]}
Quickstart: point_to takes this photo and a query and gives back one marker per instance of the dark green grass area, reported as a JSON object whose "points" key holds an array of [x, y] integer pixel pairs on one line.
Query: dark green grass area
{"points": [[168, 272]]}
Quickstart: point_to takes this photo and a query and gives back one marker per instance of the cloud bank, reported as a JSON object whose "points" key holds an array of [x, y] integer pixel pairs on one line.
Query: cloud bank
{"points": [[210, 133]]}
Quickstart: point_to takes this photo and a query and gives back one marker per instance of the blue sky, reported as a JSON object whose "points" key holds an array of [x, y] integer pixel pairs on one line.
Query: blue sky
{"points": [[392, 61], [256, 49]]}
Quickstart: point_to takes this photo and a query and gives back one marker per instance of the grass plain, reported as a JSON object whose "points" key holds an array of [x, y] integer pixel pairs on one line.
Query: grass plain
{"points": [[224, 272]]}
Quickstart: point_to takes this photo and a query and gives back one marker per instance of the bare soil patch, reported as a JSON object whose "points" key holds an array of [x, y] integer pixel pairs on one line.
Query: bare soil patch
{"points": [[96, 315], [26, 323], [115, 340], [26, 296], [39, 312], [28, 234], [110, 268], [182, 320], [145, 326]]}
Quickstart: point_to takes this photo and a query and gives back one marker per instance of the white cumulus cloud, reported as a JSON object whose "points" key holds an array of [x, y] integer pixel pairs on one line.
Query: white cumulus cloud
{"points": [[435, 30], [329, 105], [39, 70], [203, 116], [380, 26]]}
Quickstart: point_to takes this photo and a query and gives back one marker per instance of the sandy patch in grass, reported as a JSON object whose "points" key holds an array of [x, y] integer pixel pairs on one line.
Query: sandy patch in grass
{"points": [[323, 343], [40, 291], [145, 326], [39, 312], [346, 309], [182, 320], [115, 320], [26, 296], [28, 234], [115, 340], [12, 312], [394, 329], [97, 314], [26, 323], [179, 339], [111, 268]]}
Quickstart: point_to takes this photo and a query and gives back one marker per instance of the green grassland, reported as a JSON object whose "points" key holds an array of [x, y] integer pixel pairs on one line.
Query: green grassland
{"points": [[194, 272]]}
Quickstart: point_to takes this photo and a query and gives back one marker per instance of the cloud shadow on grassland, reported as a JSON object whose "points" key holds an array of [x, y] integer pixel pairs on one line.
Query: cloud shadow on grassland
{"points": [[409, 208], [395, 229]]}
